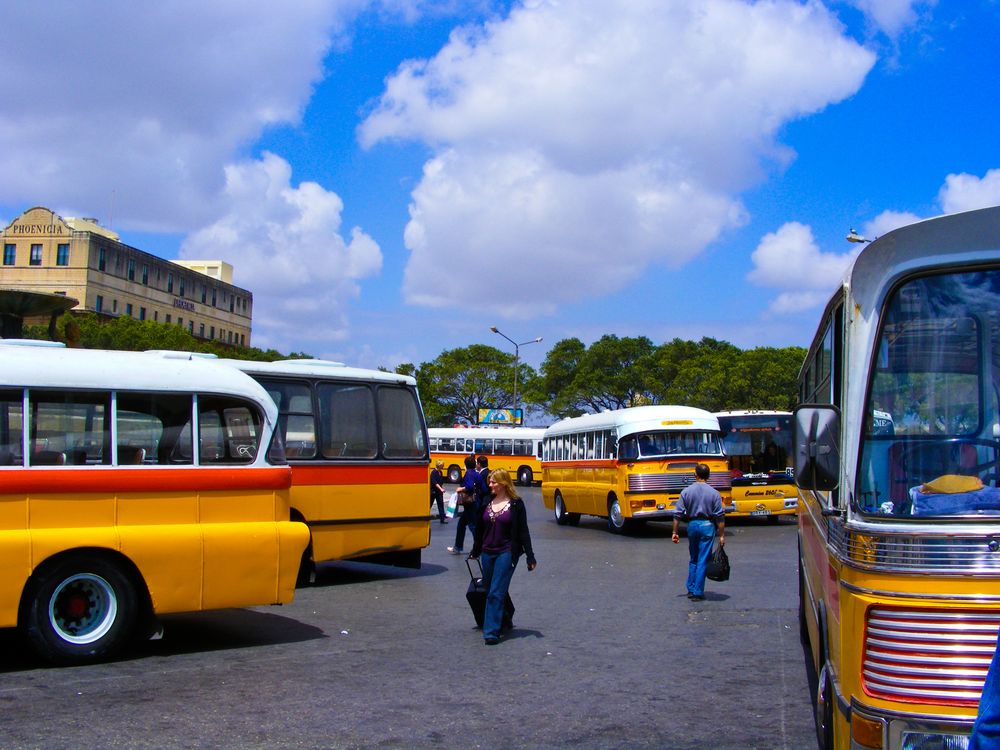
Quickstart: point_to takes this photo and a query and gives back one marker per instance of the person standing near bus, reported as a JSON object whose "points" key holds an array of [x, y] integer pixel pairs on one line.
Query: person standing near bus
{"points": [[467, 497], [700, 505], [437, 489], [500, 538]]}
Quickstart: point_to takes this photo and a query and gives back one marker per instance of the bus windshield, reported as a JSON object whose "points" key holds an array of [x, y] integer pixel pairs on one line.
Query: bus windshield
{"points": [[757, 443], [669, 443], [930, 446]]}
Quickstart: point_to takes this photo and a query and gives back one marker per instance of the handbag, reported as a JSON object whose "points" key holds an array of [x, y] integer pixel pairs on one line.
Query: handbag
{"points": [[717, 567], [450, 501]]}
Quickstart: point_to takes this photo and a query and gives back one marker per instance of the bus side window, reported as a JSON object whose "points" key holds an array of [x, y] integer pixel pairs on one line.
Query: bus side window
{"points": [[11, 428], [628, 449]]}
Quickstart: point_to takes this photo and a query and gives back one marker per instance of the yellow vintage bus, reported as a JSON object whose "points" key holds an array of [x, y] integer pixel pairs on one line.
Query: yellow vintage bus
{"points": [[357, 444], [133, 485], [516, 449], [896, 458], [629, 465], [759, 446]]}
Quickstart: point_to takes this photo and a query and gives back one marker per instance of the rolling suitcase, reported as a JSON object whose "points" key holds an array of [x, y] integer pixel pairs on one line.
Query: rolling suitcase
{"points": [[476, 595]]}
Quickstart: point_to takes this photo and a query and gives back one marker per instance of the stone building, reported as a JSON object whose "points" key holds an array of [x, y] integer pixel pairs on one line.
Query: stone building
{"points": [[78, 258]]}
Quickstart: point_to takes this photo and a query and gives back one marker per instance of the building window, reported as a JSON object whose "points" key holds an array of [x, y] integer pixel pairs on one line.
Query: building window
{"points": [[201, 330], [243, 339], [180, 321], [211, 332], [191, 327], [170, 283], [232, 302], [145, 275], [101, 259], [9, 255], [131, 270], [204, 293], [180, 292], [214, 292], [128, 309], [168, 317], [230, 334], [36, 255], [156, 315], [142, 313], [99, 303], [62, 255], [114, 306]]}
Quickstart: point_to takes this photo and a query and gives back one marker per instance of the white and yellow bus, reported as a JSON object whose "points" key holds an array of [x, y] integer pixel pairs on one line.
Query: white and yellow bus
{"points": [[896, 457], [629, 465], [133, 485], [516, 449], [357, 444], [759, 446]]}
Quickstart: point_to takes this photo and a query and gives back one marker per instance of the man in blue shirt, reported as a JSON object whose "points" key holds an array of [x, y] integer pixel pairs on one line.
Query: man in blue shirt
{"points": [[700, 505]]}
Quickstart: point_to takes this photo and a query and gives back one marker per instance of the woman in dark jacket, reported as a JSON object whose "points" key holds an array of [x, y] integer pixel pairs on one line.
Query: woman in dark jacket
{"points": [[501, 538]]}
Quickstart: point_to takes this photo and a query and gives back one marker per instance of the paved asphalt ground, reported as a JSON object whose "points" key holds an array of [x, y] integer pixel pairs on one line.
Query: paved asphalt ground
{"points": [[607, 652]]}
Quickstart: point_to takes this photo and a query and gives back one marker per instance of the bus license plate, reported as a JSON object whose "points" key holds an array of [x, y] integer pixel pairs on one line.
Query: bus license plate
{"points": [[760, 513]]}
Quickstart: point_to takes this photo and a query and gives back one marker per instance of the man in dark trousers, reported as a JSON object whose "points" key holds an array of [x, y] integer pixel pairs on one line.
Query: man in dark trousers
{"points": [[700, 505]]}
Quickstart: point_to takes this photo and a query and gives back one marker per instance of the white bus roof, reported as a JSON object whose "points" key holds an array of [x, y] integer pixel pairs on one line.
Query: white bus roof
{"points": [[318, 368], [639, 419], [502, 431], [101, 369]]}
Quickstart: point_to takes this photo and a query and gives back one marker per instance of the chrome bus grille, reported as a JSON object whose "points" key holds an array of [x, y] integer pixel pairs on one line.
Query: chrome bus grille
{"points": [[674, 482], [928, 655]]}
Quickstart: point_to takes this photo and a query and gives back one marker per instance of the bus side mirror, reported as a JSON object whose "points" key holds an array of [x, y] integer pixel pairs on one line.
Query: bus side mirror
{"points": [[817, 447]]}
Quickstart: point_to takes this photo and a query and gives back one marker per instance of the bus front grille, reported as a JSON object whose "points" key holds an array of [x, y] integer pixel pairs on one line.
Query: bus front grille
{"points": [[674, 482], [928, 655]]}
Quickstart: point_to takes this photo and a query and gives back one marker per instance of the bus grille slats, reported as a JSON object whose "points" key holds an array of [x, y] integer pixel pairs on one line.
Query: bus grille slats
{"points": [[934, 656], [674, 482]]}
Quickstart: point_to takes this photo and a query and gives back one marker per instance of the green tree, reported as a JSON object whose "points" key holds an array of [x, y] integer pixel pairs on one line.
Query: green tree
{"points": [[460, 382]]}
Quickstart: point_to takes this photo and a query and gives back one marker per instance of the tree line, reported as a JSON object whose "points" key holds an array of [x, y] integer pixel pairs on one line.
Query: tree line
{"points": [[612, 373]]}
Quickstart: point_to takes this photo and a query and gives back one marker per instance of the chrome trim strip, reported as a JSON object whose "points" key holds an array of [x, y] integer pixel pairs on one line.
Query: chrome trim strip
{"points": [[983, 598]]}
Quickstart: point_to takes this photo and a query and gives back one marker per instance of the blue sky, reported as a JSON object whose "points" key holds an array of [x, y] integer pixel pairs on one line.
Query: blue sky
{"points": [[391, 178]]}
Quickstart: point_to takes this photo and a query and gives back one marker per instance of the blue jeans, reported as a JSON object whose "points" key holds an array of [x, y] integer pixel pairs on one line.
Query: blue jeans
{"points": [[986, 731], [701, 535], [498, 568]]}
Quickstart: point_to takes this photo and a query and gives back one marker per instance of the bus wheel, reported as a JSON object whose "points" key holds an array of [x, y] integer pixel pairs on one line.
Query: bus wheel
{"points": [[454, 474], [524, 476], [562, 517], [824, 710], [79, 610], [617, 523]]}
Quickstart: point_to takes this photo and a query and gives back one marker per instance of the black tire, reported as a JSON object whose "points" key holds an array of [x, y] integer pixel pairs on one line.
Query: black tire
{"points": [[525, 477], [824, 709], [617, 523], [307, 568], [803, 624], [454, 474], [559, 509], [81, 609]]}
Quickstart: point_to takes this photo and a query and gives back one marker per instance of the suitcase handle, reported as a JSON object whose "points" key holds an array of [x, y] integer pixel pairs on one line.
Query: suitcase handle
{"points": [[468, 564]]}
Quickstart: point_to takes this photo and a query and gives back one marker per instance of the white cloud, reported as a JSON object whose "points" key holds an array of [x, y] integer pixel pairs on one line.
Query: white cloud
{"points": [[891, 17], [963, 192], [286, 245], [886, 221], [790, 259], [583, 142], [128, 110]]}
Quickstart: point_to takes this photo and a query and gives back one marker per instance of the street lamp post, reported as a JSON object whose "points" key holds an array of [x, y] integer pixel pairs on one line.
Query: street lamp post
{"points": [[517, 356]]}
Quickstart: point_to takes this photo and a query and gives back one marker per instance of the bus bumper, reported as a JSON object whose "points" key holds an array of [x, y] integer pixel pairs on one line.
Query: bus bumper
{"points": [[901, 731], [775, 506]]}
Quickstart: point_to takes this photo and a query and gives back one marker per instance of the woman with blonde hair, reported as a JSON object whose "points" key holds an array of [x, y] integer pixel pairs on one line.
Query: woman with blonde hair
{"points": [[500, 540], [437, 489]]}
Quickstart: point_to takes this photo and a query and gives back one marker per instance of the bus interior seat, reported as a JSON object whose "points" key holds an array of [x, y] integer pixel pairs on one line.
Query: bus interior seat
{"points": [[6, 457], [913, 463], [48, 458], [78, 456], [131, 455]]}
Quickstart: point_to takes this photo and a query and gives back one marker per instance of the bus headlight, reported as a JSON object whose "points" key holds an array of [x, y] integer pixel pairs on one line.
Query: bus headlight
{"points": [[934, 741]]}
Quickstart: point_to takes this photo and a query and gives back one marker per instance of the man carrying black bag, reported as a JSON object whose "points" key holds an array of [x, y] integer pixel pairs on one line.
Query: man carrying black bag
{"points": [[700, 505]]}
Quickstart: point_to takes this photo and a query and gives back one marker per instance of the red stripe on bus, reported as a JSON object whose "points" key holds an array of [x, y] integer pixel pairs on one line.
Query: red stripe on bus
{"points": [[377, 474], [100, 479]]}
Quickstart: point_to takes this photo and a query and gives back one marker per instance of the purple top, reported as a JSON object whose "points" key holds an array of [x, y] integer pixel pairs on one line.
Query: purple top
{"points": [[498, 529]]}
